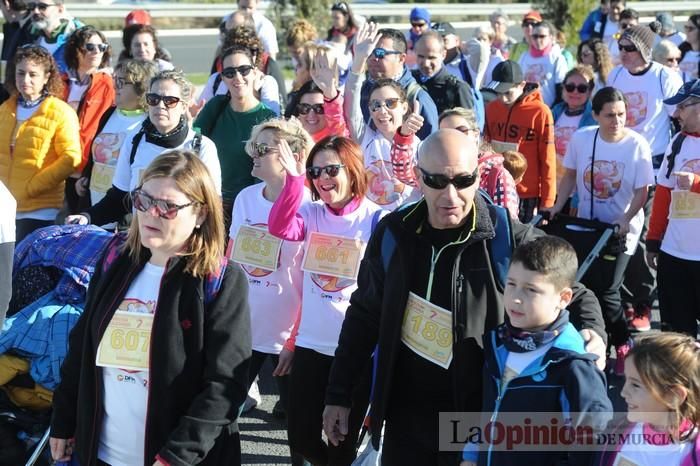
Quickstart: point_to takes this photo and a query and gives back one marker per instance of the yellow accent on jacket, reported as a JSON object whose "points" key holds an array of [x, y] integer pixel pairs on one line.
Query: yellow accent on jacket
{"points": [[46, 152]]}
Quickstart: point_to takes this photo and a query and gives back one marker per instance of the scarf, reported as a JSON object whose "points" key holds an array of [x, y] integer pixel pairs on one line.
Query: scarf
{"points": [[170, 140], [520, 341], [540, 53]]}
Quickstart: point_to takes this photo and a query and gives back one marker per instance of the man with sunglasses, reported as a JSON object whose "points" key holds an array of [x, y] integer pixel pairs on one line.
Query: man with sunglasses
{"points": [[529, 20], [382, 52], [51, 27], [425, 297]]}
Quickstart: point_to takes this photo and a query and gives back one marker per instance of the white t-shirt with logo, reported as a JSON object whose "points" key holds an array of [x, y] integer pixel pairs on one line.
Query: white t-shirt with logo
{"points": [[126, 177], [620, 169], [548, 70], [274, 297], [126, 391], [564, 128], [646, 112], [326, 297], [680, 238]]}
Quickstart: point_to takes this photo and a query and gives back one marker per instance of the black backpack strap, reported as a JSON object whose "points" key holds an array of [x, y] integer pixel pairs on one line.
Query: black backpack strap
{"points": [[135, 145], [675, 149], [217, 81], [197, 141]]}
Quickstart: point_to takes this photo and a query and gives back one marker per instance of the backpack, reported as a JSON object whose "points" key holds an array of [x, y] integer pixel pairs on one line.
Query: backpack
{"points": [[196, 143], [675, 149], [477, 97]]}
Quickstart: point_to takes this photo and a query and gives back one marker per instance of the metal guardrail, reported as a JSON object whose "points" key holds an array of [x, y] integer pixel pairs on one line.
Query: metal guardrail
{"points": [[393, 10]]}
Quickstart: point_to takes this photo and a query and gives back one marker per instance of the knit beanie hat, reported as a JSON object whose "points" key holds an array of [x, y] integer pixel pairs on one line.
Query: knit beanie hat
{"points": [[642, 37]]}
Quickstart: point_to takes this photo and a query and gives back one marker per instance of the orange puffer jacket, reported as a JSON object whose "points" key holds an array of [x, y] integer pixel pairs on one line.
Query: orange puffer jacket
{"points": [[46, 152]]}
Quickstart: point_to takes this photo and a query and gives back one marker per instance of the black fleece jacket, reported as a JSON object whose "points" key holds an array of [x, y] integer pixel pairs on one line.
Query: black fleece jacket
{"points": [[198, 372], [376, 310]]}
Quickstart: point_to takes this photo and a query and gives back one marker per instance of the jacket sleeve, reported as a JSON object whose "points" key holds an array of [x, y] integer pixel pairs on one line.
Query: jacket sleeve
{"points": [[403, 159], [585, 312], [97, 101], [466, 100], [547, 160], [360, 330], [111, 208], [224, 384], [335, 119], [658, 222], [66, 144], [588, 26], [351, 106], [284, 220], [429, 112]]}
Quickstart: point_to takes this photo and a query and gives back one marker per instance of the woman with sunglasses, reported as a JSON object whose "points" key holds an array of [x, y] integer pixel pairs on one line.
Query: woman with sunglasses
{"points": [[690, 49], [228, 120], [610, 167], [90, 91], [39, 139], [594, 53], [158, 362], [335, 232], [668, 54], [166, 128], [273, 266], [543, 63], [574, 111]]}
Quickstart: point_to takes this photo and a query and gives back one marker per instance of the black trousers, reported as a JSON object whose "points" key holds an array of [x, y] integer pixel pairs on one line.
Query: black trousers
{"points": [[307, 392], [640, 281], [526, 209], [679, 293], [256, 362]]}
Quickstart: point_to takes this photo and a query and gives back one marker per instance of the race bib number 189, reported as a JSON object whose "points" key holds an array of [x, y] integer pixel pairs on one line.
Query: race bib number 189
{"points": [[427, 330]]}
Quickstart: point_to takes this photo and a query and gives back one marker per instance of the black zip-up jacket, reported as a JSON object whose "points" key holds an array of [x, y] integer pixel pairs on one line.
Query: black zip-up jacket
{"points": [[376, 310], [198, 366], [447, 91]]}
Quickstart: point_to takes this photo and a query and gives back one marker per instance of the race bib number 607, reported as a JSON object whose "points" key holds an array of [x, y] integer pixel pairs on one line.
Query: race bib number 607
{"points": [[126, 341]]}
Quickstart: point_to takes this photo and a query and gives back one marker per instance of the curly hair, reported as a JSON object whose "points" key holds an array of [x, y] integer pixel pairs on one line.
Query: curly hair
{"points": [[290, 130], [76, 42], [139, 74], [39, 56], [178, 77], [602, 63], [242, 36], [301, 32], [130, 32]]}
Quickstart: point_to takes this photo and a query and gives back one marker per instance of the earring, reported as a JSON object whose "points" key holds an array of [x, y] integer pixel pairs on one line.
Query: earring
{"points": [[197, 227]]}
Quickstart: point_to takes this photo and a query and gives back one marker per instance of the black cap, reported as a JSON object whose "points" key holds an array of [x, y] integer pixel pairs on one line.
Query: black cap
{"points": [[444, 29], [505, 76]]}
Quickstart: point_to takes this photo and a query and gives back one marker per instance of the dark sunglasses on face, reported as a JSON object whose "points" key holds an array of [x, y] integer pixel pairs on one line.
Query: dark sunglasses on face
{"points": [[419, 25], [230, 71], [390, 104], [95, 47], [581, 88], [673, 59], [330, 170], [379, 53], [304, 109], [538, 36], [260, 149], [526, 24], [164, 209], [627, 48], [439, 181], [169, 101], [40, 5]]}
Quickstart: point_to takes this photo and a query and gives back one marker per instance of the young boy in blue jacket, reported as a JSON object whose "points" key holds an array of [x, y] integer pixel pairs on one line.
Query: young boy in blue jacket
{"points": [[535, 362]]}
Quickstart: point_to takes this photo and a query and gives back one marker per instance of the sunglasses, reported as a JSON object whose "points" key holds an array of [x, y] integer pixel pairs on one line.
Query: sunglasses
{"points": [[390, 104], [40, 5], [539, 36], [96, 47], [164, 209], [379, 53], [439, 181], [581, 88], [673, 59], [419, 25], [627, 48], [304, 109], [330, 170], [120, 82], [230, 71], [169, 101], [260, 149], [526, 24]]}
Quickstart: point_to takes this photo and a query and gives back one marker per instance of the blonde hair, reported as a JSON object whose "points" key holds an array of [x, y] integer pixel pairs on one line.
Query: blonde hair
{"points": [[300, 32], [515, 163], [204, 248], [290, 130], [663, 49], [179, 78], [665, 361]]}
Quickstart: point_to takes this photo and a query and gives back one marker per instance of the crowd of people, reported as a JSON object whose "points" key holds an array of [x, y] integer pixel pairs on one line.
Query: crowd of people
{"points": [[373, 230]]}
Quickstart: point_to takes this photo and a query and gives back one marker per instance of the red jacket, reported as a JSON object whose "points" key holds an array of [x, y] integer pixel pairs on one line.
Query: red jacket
{"points": [[96, 100]]}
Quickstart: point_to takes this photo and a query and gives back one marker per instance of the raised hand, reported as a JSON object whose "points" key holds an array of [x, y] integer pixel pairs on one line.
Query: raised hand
{"points": [[290, 162], [365, 42], [413, 122], [324, 72], [684, 180]]}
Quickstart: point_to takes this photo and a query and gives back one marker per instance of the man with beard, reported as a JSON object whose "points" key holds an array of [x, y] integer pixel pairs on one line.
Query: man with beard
{"points": [[51, 27]]}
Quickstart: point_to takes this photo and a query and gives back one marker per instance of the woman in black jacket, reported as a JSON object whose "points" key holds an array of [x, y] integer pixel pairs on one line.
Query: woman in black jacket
{"points": [[158, 363]]}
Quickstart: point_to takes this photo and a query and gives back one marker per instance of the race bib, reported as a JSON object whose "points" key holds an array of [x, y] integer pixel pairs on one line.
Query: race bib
{"points": [[256, 247], [101, 177], [500, 146], [685, 204], [427, 330], [125, 343], [332, 255]]}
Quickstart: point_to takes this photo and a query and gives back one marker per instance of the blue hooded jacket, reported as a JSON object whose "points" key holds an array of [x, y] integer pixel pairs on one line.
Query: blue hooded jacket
{"points": [[586, 119]]}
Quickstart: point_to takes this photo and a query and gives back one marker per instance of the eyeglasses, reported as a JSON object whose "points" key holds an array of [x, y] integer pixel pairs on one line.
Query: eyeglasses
{"points": [[439, 181], [95, 47], [581, 88], [330, 170], [683, 106], [539, 36], [304, 109], [230, 71], [673, 59], [260, 149], [164, 209], [625, 25], [379, 53], [419, 25], [120, 82], [627, 48], [40, 5], [390, 104], [170, 101]]}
